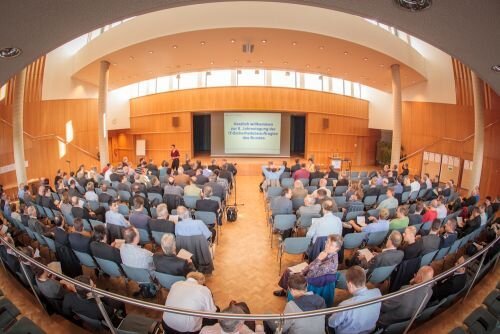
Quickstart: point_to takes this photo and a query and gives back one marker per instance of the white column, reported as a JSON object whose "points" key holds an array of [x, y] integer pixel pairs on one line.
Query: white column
{"points": [[477, 90], [18, 128], [102, 107], [397, 114]]}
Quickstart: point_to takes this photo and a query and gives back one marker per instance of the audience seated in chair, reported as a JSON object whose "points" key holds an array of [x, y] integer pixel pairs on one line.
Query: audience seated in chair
{"points": [[100, 248], [379, 224], [191, 294], [451, 284], [161, 222], [412, 247], [302, 300], [79, 239], [431, 241], [326, 225], [358, 320], [168, 262], [403, 307], [229, 326], [309, 208]]}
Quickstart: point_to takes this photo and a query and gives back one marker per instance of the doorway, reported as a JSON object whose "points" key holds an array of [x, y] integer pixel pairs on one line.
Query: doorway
{"points": [[201, 134]]}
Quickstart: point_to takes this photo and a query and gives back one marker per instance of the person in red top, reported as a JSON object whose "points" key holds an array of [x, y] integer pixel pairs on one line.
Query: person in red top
{"points": [[174, 154], [302, 173], [431, 212]]}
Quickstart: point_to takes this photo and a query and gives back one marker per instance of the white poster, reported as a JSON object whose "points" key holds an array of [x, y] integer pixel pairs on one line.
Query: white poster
{"points": [[456, 162], [445, 159], [426, 155], [437, 158]]}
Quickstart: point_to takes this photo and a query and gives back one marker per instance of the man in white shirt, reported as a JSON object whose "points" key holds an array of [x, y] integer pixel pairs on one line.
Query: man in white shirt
{"points": [[442, 212], [326, 225], [114, 217], [134, 255], [427, 181], [190, 294], [415, 185]]}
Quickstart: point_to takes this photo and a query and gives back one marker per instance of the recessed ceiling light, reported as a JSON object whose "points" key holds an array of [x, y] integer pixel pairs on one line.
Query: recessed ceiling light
{"points": [[264, 41], [328, 69], [233, 40], [308, 65], [413, 5], [261, 62], [11, 52], [381, 65], [321, 47], [150, 72], [285, 62], [114, 64], [202, 43], [211, 62], [174, 46], [346, 53], [496, 68], [150, 52], [294, 43], [365, 59], [130, 58], [236, 61]]}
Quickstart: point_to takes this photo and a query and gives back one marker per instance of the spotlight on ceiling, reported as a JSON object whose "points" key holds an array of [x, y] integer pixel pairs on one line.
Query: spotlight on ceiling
{"points": [[413, 5], [248, 48], [496, 68], [11, 52]]}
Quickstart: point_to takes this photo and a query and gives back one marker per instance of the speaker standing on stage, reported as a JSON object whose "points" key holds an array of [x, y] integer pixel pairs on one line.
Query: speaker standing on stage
{"points": [[174, 154]]}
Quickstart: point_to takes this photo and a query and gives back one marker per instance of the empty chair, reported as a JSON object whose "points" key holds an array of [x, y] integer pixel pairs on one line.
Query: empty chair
{"points": [[144, 236], [380, 274], [396, 328], [422, 192], [441, 253], [353, 215], [283, 223], [139, 275], [373, 212], [85, 259], [124, 195], [273, 192], [376, 238], [405, 196], [305, 221], [427, 258], [381, 198], [50, 243], [315, 182], [123, 209], [340, 190], [429, 311], [190, 201], [136, 324], [363, 174], [340, 200], [167, 280], [305, 182], [354, 240], [354, 175], [297, 203], [492, 302], [109, 267], [8, 313], [297, 245], [23, 326], [339, 215], [287, 182], [209, 218], [481, 321], [369, 201]]}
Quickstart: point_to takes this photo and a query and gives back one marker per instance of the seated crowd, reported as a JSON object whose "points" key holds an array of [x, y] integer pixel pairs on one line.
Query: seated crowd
{"points": [[114, 216]]}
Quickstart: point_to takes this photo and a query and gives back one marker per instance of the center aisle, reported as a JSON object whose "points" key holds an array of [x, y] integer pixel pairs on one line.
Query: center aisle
{"points": [[246, 268]]}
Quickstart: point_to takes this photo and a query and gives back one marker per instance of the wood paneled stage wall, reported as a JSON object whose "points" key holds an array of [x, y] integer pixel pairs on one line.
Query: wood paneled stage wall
{"points": [[334, 123]]}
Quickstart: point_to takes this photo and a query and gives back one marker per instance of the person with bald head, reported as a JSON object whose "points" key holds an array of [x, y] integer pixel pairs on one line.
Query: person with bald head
{"points": [[403, 307]]}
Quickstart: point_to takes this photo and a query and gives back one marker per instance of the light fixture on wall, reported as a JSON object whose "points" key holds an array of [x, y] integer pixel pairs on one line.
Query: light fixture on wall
{"points": [[496, 68], [10, 52], [413, 5]]}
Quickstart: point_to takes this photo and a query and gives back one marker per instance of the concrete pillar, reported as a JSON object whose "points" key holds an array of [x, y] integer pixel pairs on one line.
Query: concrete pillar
{"points": [[397, 115], [477, 90], [18, 128], [102, 107]]}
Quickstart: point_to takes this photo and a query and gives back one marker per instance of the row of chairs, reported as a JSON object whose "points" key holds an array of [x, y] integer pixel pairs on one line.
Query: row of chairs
{"points": [[9, 322]]}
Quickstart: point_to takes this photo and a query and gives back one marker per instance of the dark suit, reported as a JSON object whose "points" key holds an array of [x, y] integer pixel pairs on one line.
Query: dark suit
{"points": [[82, 213], [471, 225], [201, 179], [171, 264], [139, 220], [295, 168], [162, 225], [389, 257], [316, 175], [430, 243], [217, 190], [104, 198], [79, 242], [213, 167], [114, 177], [372, 191], [412, 251], [48, 202], [448, 286], [343, 182], [414, 219], [105, 251], [207, 205], [74, 192], [448, 239], [403, 307]]}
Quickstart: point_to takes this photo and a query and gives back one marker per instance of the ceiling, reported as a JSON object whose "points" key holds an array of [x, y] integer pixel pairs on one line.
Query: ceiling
{"points": [[273, 49], [467, 30]]}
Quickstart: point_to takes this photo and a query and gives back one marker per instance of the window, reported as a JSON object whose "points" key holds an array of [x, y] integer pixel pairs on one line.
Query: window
{"points": [[337, 86], [147, 87], [218, 78], [313, 81], [164, 84], [251, 78], [356, 90], [282, 79], [3, 91], [188, 80], [347, 88]]}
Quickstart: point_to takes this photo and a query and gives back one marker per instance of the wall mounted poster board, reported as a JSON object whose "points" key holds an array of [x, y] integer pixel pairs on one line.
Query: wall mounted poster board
{"points": [[450, 168], [140, 147], [431, 164]]}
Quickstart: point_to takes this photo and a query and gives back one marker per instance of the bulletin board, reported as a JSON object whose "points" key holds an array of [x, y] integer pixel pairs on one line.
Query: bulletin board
{"points": [[431, 164], [450, 168], [466, 182]]}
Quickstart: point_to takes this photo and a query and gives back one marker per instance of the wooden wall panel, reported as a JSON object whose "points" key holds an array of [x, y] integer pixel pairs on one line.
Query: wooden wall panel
{"points": [[449, 129], [348, 133]]}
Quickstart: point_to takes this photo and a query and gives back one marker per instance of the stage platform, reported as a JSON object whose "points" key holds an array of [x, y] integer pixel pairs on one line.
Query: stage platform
{"points": [[251, 166]]}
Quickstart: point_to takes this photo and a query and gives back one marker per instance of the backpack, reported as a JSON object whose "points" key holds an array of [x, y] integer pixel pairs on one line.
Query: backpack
{"points": [[231, 214]]}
